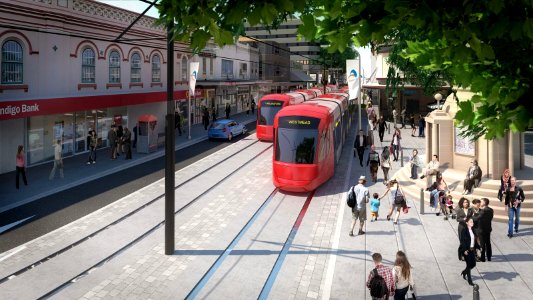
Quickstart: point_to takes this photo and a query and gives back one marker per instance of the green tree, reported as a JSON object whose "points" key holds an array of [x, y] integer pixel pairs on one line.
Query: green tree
{"points": [[480, 45]]}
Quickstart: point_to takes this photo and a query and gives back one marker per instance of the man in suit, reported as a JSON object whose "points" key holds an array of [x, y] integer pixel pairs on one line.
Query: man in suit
{"points": [[484, 228], [360, 145]]}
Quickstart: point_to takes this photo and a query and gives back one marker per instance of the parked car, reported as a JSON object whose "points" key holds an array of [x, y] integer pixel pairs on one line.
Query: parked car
{"points": [[225, 129]]}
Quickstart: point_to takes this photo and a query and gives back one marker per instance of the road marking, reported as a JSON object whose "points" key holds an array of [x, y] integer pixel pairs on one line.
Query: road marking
{"points": [[9, 226], [338, 227]]}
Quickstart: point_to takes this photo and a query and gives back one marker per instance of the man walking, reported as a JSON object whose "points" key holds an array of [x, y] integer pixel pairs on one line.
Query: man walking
{"points": [[228, 110], [359, 210], [359, 145], [112, 138], [382, 125], [395, 117], [376, 277], [126, 140], [403, 117], [58, 160], [485, 228]]}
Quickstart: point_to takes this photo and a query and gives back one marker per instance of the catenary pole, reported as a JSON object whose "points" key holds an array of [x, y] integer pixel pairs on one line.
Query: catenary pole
{"points": [[170, 144]]}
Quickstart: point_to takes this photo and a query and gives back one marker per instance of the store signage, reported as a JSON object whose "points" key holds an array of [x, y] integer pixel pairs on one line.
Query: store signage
{"points": [[28, 108], [14, 110]]}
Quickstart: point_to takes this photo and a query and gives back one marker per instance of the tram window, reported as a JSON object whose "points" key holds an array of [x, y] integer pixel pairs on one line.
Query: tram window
{"points": [[338, 134], [296, 146], [268, 110]]}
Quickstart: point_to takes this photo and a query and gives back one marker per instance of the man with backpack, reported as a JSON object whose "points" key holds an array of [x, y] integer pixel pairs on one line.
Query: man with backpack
{"points": [[380, 280], [358, 197]]}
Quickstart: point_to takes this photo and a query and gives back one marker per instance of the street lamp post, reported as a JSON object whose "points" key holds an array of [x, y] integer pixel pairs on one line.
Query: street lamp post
{"points": [[438, 97]]}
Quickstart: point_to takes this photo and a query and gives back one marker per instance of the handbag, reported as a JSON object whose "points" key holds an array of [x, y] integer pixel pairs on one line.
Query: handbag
{"points": [[398, 199], [405, 209]]}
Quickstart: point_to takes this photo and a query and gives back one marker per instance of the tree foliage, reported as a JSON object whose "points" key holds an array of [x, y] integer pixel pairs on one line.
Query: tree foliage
{"points": [[480, 45]]}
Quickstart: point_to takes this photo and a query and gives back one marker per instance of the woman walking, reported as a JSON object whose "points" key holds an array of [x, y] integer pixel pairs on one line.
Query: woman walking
{"points": [[92, 148], [403, 279], [396, 200], [505, 182], [468, 249], [21, 166], [395, 143], [463, 212], [385, 164], [513, 200], [373, 160]]}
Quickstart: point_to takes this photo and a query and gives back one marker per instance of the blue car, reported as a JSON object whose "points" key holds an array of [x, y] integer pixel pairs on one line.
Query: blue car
{"points": [[225, 129]]}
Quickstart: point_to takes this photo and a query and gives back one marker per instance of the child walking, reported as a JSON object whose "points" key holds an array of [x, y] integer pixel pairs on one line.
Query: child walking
{"points": [[374, 207]]}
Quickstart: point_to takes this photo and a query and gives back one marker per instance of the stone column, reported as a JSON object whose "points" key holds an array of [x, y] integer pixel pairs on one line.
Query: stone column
{"points": [[434, 140], [511, 153], [498, 156], [428, 138]]}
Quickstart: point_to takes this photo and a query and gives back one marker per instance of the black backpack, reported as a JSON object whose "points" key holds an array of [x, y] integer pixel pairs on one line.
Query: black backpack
{"points": [[378, 286], [351, 198]]}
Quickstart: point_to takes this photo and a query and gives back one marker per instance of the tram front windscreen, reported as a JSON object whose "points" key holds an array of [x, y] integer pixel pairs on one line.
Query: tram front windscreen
{"points": [[296, 139], [268, 110]]}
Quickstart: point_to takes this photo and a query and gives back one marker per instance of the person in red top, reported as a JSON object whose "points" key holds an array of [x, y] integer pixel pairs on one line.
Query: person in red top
{"points": [[21, 166], [385, 272]]}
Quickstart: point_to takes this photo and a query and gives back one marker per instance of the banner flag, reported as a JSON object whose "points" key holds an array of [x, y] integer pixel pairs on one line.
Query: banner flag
{"points": [[353, 77], [193, 67]]}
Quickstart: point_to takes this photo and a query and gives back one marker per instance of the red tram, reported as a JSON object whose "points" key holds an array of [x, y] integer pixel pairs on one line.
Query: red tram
{"points": [[269, 105], [308, 140]]}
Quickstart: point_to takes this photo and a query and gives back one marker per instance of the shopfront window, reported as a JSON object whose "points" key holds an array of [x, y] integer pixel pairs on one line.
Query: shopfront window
{"points": [[43, 131]]}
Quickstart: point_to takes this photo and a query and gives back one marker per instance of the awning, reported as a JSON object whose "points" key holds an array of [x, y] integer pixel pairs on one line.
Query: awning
{"points": [[300, 76]]}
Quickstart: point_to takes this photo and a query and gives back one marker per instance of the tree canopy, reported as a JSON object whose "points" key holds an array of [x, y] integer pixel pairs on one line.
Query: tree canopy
{"points": [[480, 45]]}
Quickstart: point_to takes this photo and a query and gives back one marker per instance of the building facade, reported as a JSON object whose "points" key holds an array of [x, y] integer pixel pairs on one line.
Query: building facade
{"points": [[303, 54]]}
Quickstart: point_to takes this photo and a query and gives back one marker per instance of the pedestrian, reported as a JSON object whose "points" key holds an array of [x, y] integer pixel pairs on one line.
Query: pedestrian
{"points": [[92, 148], [374, 207], [177, 122], [359, 145], [449, 206], [20, 166], [120, 134], [403, 117], [403, 277], [126, 141], [505, 182], [359, 209], [112, 138], [513, 200], [228, 110], [463, 213], [247, 108], [476, 207], [382, 125], [58, 160], [473, 177], [413, 126], [253, 106], [135, 132], [205, 117], [415, 163], [395, 117], [380, 280], [89, 134], [373, 160], [385, 164], [214, 114], [421, 126], [467, 248], [486, 214], [396, 143], [396, 200]]}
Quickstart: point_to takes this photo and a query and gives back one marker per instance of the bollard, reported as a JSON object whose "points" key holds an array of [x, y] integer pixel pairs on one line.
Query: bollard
{"points": [[476, 292], [401, 158], [421, 201]]}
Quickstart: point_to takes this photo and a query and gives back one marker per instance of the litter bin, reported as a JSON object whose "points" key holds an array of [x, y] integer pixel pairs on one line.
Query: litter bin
{"points": [[147, 134]]}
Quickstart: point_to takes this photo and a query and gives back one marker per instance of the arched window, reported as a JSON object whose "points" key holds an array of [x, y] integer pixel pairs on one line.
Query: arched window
{"points": [[12, 65], [156, 68], [114, 67], [184, 69], [87, 66], [135, 67]]}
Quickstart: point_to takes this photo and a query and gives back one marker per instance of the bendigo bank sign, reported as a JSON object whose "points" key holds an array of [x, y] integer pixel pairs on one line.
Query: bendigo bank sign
{"points": [[14, 110]]}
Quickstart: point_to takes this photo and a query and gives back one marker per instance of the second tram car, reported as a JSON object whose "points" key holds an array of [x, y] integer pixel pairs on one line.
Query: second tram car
{"points": [[267, 108], [308, 140]]}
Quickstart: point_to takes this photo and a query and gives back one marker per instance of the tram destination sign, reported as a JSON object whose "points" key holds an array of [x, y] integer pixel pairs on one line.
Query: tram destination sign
{"points": [[298, 122], [272, 103]]}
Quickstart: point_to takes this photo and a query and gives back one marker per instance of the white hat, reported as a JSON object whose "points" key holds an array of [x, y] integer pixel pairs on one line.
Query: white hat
{"points": [[362, 178]]}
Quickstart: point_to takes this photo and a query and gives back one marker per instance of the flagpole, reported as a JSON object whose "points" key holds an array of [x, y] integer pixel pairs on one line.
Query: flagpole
{"points": [[190, 114]]}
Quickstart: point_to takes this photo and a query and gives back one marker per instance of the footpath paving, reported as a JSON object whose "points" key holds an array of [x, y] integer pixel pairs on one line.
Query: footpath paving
{"points": [[77, 172]]}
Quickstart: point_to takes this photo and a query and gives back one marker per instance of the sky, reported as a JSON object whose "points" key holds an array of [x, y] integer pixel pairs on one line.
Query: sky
{"points": [[132, 5]]}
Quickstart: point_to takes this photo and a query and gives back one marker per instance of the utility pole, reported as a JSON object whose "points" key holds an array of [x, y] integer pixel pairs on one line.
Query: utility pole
{"points": [[170, 145]]}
